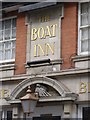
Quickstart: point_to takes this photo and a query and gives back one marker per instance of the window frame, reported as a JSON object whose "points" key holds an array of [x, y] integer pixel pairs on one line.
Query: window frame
{"points": [[11, 39], [80, 109], [80, 28]]}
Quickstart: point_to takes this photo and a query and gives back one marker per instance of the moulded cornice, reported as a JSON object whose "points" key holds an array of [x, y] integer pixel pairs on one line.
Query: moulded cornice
{"points": [[81, 58], [49, 74]]}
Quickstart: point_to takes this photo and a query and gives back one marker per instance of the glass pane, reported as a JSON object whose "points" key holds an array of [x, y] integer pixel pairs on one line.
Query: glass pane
{"points": [[7, 34], [1, 46], [0, 25], [13, 33], [86, 113], [7, 54], [14, 22], [8, 45], [84, 34], [9, 115], [14, 44], [1, 112], [1, 35], [84, 7], [32, 105], [89, 34], [0, 55], [84, 46], [89, 45], [13, 53], [84, 19], [7, 24], [26, 104]]}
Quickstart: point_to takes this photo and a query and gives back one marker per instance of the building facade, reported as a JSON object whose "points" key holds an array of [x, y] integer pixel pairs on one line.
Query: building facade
{"points": [[45, 45]]}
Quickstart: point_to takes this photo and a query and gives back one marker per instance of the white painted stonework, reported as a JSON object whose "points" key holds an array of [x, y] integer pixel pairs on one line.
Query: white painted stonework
{"points": [[54, 110], [35, 23]]}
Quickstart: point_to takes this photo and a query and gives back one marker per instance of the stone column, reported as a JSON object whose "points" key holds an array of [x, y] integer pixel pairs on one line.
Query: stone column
{"points": [[70, 111], [15, 112]]}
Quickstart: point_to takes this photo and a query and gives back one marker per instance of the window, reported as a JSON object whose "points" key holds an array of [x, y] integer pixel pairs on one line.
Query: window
{"points": [[86, 111], [7, 39], [9, 115], [47, 118], [0, 115], [84, 27]]}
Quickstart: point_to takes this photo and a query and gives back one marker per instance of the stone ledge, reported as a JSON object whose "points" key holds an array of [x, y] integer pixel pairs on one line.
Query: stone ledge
{"points": [[69, 72], [52, 62], [8, 65], [48, 99], [81, 61], [81, 58], [7, 62], [50, 74]]}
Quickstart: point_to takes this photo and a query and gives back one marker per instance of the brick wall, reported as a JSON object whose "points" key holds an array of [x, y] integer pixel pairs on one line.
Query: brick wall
{"points": [[9, 14], [68, 37], [21, 44], [69, 33]]}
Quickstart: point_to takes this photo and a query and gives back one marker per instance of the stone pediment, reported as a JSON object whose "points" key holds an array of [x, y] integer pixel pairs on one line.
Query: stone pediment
{"points": [[46, 87]]}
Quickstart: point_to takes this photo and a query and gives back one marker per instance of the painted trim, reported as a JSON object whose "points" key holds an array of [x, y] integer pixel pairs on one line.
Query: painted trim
{"points": [[80, 108], [10, 61], [79, 30]]}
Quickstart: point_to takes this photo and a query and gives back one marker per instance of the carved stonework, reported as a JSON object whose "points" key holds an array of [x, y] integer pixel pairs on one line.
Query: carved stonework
{"points": [[45, 90]]}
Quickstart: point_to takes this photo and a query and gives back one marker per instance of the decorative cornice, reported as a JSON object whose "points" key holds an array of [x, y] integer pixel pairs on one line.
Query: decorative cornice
{"points": [[80, 58], [48, 99], [49, 74], [7, 65], [52, 62]]}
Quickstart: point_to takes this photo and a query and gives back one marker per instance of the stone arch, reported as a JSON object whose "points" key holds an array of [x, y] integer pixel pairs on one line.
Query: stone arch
{"points": [[58, 86]]}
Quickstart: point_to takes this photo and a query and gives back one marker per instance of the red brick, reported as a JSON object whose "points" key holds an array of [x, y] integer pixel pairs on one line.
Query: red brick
{"points": [[21, 43], [69, 34]]}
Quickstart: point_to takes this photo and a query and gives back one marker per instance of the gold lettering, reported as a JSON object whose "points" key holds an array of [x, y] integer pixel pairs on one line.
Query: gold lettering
{"points": [[48, 33], [82, 87], [51, 49], [48, 17], [33, 34], [89, 87], [40, 48], [0, 93], [4, 93], [35, 51], [54, 28], [44, 18], [39, 19], [39, 31]]}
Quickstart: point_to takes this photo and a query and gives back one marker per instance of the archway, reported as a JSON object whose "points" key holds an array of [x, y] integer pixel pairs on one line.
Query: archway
{"points": [[58, 86]]}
